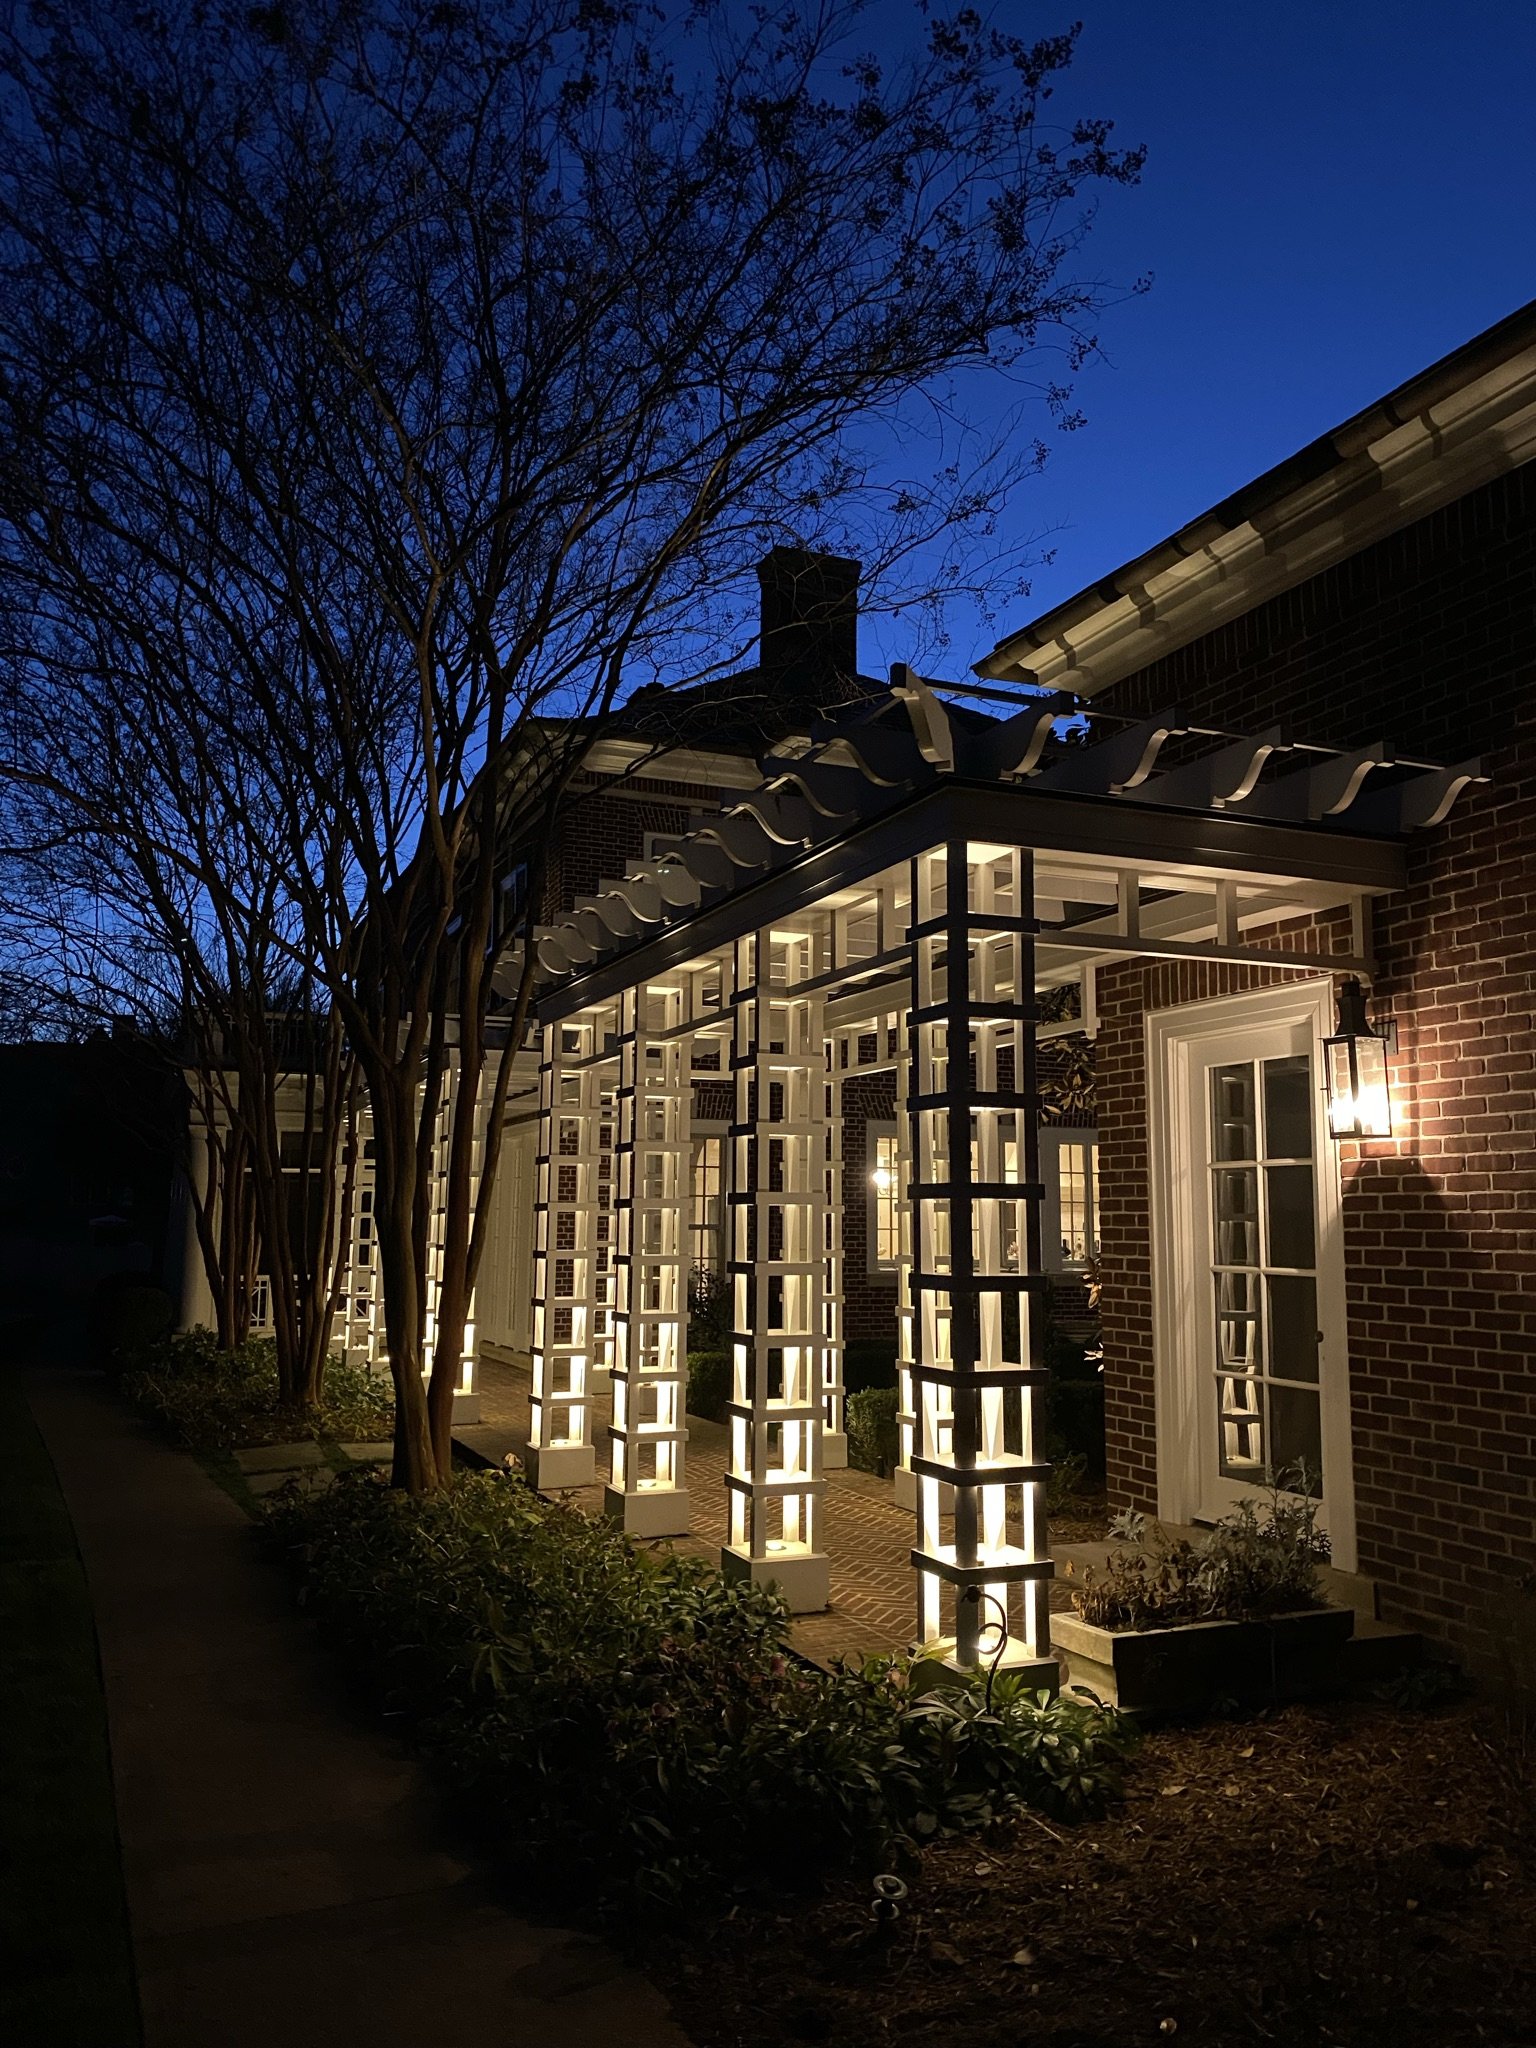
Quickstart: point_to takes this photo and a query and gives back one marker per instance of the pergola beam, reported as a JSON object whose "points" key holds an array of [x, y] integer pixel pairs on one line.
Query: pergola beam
{"points": [[1106, 834]]}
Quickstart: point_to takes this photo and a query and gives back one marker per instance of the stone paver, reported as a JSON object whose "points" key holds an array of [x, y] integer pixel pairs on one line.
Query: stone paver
{"points": [[279, 1457], [286, 1874], [368, 1454], [311, 1478]]}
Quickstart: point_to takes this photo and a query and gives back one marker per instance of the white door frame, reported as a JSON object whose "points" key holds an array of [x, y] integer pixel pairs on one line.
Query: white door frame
{"points": [[1175, 1182]]}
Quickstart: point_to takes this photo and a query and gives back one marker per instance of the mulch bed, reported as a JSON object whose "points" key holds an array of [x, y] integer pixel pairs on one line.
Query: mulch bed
{"points": [[1347, 1875]]}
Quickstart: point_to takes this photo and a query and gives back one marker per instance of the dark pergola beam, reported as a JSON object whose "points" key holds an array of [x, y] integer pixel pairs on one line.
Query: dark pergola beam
{"points": [[1100, 830]]}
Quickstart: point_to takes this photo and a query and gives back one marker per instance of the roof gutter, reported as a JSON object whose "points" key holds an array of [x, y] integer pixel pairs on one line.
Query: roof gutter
{"points": [[1457, 425]]}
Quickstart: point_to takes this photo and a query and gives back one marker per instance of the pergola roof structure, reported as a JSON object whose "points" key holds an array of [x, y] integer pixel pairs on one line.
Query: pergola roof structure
{"points": [[1133, 857], [893, 894]]}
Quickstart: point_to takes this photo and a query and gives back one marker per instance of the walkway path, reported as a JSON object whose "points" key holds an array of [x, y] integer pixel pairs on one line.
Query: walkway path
{"points": [[286, 1882]]}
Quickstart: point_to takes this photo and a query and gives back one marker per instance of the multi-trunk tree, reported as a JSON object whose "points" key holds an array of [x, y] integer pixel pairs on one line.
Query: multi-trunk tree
{"points": [[422, 377]]}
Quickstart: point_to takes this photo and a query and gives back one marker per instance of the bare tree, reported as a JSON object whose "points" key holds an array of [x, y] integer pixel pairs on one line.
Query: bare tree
{"points": [[421, 375], [142, 892]]}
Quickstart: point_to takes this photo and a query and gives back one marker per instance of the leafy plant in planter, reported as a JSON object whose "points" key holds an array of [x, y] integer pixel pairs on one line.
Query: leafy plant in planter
{"points": [[1259, 1560]]}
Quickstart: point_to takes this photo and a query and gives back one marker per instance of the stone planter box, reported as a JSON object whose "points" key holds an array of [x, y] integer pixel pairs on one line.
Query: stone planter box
{"points": [[1192, 1667]]}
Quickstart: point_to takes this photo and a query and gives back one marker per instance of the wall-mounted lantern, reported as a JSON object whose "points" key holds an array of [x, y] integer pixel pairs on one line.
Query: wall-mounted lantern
{"points": [[1355, 1070]]}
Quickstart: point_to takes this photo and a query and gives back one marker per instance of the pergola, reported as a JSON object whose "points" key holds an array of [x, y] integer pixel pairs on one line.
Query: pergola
{"points": [[893, 896]]}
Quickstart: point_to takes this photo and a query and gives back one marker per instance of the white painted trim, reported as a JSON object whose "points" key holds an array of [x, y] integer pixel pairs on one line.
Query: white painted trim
{"points": [[1391, 472], [1172, 1037]]}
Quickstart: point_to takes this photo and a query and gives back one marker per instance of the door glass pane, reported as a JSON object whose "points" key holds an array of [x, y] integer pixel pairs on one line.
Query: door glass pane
{"points": [[1237, 1322], [1292, 1234], [1293, 1331], [1288, 1108], [1237, 1218], [1263, 1241], [1242, 1428], [1234, 1134], [1296, 1434]]}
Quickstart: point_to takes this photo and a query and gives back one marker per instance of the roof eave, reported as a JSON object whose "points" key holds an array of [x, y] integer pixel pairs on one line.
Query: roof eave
{"points": [[1459, 424]]}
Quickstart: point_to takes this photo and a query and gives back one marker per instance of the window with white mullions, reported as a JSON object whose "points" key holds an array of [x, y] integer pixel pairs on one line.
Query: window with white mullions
{"points": [[706, 1218], [1264, 1238], [883, 1216], [1069, 1168]]}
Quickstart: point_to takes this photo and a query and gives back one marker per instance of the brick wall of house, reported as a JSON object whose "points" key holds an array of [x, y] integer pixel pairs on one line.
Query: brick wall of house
{"points": [[602, 825], [1429, 639]]}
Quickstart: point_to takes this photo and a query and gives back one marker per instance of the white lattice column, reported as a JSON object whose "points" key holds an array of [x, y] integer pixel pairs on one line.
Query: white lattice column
{"points": [[604, 1277], [465, 1400], [983, 1586], [834, 1426], [905, 1479], [560, 1451], [648, 1491], [778, 1193], [362, 1324]]}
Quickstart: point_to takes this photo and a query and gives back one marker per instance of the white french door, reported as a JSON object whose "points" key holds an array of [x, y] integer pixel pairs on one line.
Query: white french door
{"points": [[1251, 1337]]}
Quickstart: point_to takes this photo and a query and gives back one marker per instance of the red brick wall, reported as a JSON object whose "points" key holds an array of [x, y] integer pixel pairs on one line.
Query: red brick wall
{"points": [[1429, 639], [599, 828]]}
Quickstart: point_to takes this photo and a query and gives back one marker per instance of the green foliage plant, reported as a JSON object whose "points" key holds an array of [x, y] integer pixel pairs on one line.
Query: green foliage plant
{"points": [[709, 1310], [630, 1724], [873, 1439], [213, 1400], [1261, 1559], [709, 1384]]}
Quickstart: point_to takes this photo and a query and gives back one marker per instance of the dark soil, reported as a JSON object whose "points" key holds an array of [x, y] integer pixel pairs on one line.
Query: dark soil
{"points": [[1340, 1876]]}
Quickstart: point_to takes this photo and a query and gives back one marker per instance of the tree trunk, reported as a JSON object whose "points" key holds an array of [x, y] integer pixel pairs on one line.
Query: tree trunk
{"points": [[399, 1243]]}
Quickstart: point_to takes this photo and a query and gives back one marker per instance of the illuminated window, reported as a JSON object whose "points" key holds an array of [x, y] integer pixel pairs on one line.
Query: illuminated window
{"points": [[706, 1217], [884, 1211], [1069, 1168]]}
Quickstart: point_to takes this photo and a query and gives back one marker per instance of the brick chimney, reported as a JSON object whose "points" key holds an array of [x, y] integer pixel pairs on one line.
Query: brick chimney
{"points": [[809, 638]]}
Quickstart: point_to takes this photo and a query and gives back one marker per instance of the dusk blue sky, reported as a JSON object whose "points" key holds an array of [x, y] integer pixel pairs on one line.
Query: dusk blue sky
{"points": [[1335, 195]]}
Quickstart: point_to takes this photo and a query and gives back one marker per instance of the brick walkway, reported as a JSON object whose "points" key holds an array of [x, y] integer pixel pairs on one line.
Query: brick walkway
{"points": [[868, 1538]]}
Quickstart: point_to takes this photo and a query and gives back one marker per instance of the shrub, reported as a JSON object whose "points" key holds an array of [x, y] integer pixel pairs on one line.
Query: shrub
{"points": [[1261, 1559], [129, 1319], [873, 1440], [210, 1399], [709, 1384], [628, 1721], [709, 1310]]}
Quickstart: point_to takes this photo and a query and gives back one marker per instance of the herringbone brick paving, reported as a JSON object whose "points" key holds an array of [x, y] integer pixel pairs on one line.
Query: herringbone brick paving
{"points": [[868, 1537]]}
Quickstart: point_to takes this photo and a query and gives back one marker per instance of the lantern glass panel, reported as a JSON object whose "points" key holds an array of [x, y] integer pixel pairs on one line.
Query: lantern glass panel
{"points": [[1374, 1109]]}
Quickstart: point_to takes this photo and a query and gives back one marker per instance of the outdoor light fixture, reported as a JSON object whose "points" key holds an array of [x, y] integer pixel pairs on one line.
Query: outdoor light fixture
{"points": [[1355, 1067]]}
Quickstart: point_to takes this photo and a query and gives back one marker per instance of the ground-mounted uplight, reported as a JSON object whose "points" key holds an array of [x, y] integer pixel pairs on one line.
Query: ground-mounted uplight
{"points": [[1355, 1070]]}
